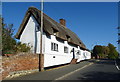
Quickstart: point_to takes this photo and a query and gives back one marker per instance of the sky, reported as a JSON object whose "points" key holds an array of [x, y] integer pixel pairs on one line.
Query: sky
{"points": [[60, 0], [94, 23]]}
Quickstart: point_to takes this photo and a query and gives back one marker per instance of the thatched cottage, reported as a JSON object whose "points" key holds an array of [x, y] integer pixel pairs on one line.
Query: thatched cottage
{"points": [[60, 44]]}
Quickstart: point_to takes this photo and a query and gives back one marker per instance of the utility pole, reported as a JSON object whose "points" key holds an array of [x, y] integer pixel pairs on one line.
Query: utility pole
{"points": [[41, 55], [119, 29]]}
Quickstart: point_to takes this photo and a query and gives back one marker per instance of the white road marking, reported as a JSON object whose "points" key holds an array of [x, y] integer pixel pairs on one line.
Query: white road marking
{"points": [[60, 78], [116, 65]]}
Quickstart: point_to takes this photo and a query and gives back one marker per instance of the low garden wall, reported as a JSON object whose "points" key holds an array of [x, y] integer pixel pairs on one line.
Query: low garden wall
{"points": [[18, 63]]}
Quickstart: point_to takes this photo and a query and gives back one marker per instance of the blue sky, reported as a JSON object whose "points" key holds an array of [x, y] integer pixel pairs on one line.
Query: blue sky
{"points": [[94, 22]]}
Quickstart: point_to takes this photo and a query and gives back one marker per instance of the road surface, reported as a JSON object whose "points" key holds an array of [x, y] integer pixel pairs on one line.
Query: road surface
{"points": [[100, 70]]}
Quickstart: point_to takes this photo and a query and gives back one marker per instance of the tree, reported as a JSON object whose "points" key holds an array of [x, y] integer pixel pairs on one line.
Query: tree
{"points": [[96, 50], [9, 44], [0, 34], [100, 51], [113, 54], [105, 51]]}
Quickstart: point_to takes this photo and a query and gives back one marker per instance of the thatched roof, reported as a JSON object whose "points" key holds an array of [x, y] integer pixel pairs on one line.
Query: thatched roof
{"points": [[49, 26]]}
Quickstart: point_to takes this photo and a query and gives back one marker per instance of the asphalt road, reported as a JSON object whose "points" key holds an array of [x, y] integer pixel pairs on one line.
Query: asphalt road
{"points": [[100, 70], [86, 70]]}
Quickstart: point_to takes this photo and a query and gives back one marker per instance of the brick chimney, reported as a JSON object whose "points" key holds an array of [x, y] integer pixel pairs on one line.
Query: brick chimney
{"points": [[63, 22]]}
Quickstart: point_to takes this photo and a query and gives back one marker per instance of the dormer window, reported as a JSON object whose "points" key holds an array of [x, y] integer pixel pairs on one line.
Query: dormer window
{"points": [[68, 37], [80, 43], [55, 32]]}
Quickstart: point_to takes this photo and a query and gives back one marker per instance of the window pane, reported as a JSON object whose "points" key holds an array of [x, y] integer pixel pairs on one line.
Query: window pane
{"points": [[65, 49], [57, 47], [52, 47]]}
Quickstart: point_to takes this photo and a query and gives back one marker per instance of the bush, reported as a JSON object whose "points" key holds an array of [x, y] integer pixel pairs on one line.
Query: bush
{"points": [[113, 55], [22, 47], [102, 55]]}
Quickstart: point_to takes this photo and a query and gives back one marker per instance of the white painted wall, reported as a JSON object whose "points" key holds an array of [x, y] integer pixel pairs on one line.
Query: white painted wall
{"points": [[60, 56], [31, 37], [28, 34]]}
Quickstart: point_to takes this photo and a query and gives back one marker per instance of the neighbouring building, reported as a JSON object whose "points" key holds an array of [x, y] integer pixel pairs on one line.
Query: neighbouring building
{"points": [[60, 44]]}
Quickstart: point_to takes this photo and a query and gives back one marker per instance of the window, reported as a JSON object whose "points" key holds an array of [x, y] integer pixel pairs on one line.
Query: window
{"points": [[37, 28], [55, 31], [65, 49], [54, 46], [78, 52], [84, 53], [68, 37]]}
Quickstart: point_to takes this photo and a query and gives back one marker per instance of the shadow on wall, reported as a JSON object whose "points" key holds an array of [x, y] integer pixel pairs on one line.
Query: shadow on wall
{"points": [[99, 76]]}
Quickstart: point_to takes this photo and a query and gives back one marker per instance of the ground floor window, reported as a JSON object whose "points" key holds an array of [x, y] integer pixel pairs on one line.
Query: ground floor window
{"points": [[78, 52], [54, 46], [65, 49]]}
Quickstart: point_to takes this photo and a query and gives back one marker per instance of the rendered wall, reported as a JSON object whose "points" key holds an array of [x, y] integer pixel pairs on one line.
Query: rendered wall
{"points": [[30, 36], [53, 57]]}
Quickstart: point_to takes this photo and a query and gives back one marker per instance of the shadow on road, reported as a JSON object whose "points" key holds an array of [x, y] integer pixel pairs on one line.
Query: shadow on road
{"points": [[118, 62], [103, 61], [99, 76]]}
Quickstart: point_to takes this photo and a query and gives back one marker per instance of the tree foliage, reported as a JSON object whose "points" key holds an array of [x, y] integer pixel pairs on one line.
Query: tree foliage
{"points": [[105, 51], [100, 51], [113, 54], [21, 47], [9, 44]]}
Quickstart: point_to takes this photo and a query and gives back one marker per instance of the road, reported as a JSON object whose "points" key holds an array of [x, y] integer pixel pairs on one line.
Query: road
{"points": [[100, 70], [86, 70]]}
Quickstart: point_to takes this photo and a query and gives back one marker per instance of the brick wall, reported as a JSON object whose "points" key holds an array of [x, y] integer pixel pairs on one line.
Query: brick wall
{"points": [[19, 62]]}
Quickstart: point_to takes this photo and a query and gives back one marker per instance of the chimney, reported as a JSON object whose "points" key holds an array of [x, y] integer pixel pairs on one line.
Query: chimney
{"points": [[63, 22]]}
